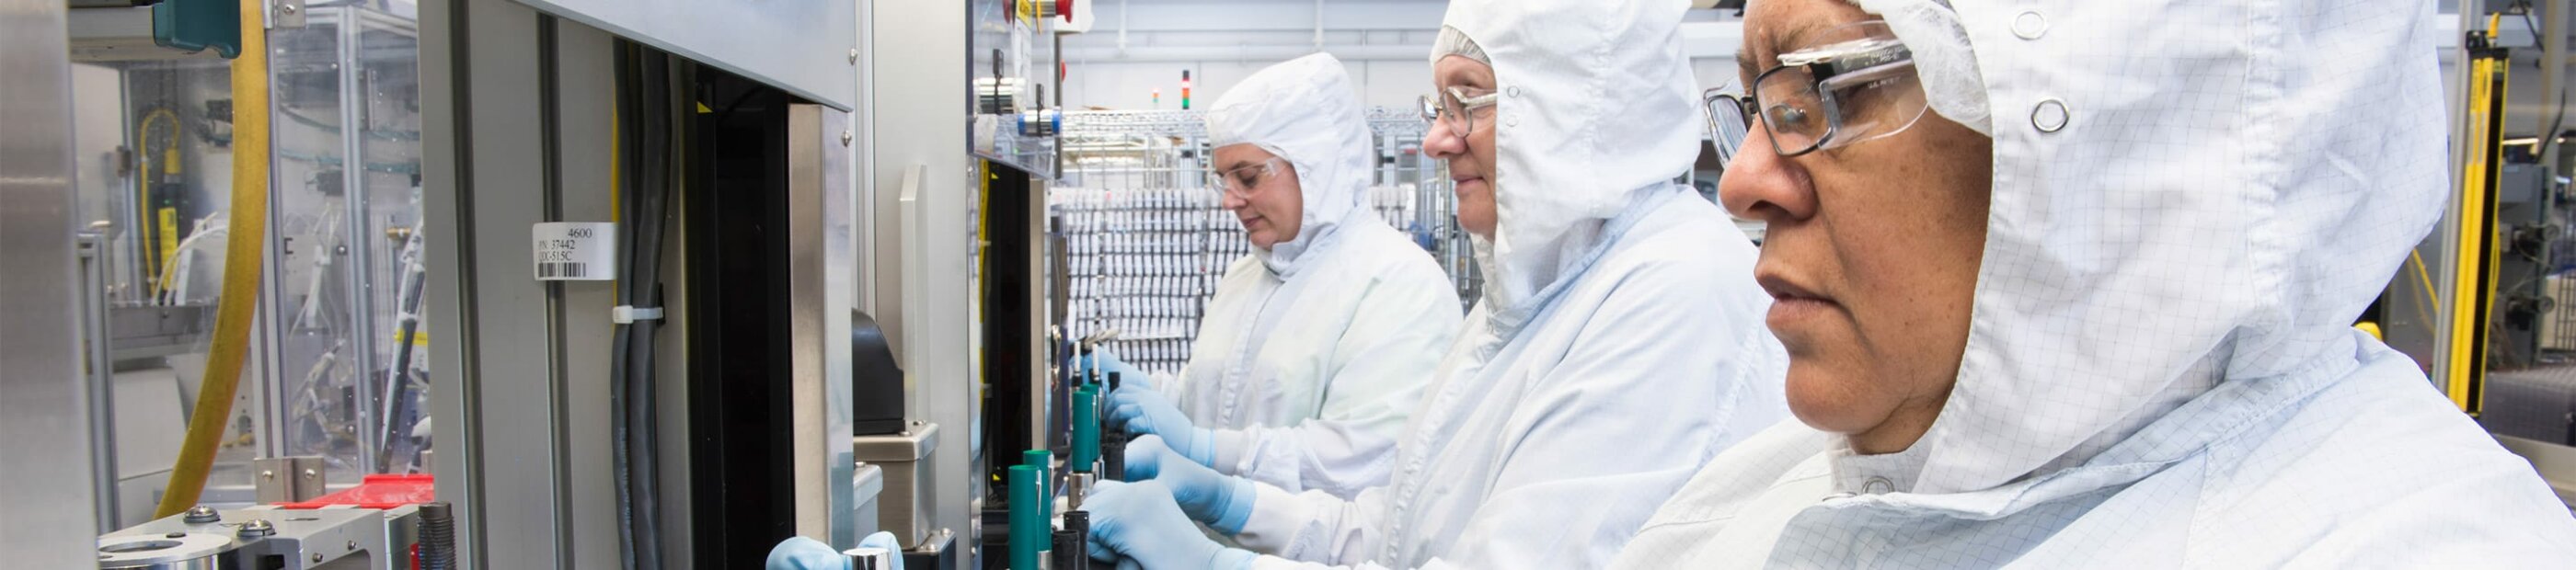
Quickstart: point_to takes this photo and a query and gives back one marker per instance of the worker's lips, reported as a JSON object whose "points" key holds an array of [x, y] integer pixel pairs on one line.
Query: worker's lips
{"points": [[1792, 304], [1462, 185]]}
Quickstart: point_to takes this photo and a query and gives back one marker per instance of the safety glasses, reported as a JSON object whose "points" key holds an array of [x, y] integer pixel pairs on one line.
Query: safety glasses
{"points": [[1847, 85], [1242, 180], [1727, 123], [1451, 107]]}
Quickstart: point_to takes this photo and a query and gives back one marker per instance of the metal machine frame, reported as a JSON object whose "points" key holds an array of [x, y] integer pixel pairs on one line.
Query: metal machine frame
{"points": [[43, 404], [524, 415]]}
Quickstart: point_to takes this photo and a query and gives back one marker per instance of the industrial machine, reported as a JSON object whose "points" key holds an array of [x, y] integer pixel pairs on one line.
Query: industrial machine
{"points": [[324, 360], [388, 522], [591, 283], [298, 193]]}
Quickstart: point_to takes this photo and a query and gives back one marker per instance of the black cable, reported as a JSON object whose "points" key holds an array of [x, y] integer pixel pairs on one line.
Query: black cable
{"points": [[2551, 136], [2536, 40], [628, 159], [656, 191]]}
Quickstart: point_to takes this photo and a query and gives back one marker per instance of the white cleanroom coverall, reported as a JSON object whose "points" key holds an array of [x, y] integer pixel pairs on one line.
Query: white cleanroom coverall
{"points": [[1314, 351], [1619, 343], [2191, 204]]}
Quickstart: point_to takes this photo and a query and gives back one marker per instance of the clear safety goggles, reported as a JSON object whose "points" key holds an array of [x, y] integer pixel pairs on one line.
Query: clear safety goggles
{"points": [[1243, 180], [1847, 85], [1452, 108]]}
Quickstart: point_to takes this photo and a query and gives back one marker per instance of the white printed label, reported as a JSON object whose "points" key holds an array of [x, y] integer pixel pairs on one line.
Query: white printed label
{"points": [[576, 251]]}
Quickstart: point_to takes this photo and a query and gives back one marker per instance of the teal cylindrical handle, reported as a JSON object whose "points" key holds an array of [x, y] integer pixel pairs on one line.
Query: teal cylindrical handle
{"points": [[1044, 462], [1029, 533], [1086, 429]]}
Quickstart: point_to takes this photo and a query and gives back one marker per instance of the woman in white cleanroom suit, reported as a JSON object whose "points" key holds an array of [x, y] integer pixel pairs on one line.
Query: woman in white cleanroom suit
{"points": [[1317, 346], [2095, 308], [1616, 347]]}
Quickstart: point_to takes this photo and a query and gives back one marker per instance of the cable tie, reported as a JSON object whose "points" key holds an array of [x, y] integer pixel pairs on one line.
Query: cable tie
{"points": [[628, 314]]}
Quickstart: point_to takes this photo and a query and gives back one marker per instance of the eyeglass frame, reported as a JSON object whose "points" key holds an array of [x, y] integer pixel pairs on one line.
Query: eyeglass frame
{"points": [[1223, 180], [1434, 106], [1829, 74], [1727, 141]]}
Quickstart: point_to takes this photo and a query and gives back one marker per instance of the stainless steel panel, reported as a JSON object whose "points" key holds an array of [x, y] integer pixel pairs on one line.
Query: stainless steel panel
{"points": [[866, 484], [43, 405], [315, 539], [821, 268], [806, 47], [905, 506], [916, 74]]}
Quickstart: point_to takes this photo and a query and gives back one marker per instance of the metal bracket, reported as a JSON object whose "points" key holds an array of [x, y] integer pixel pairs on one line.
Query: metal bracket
{"points": [[286, 13], [287, 479]]}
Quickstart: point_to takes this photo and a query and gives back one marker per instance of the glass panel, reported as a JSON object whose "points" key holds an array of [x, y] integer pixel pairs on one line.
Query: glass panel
{"points": [[1011, 53], [387, 99], [155, 139], [155, 133], [320, 345], [347, 130]]}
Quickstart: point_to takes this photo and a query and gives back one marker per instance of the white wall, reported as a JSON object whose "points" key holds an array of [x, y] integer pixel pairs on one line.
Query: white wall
{"points": [[1129, 86], [1385, 83], [1136, 46]]}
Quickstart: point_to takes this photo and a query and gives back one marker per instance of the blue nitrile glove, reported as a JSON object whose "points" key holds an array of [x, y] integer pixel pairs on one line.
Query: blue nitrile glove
{"points": [[1141, 522], [1101, 362], [800, 553], [1140, 410], [1223, 502]]}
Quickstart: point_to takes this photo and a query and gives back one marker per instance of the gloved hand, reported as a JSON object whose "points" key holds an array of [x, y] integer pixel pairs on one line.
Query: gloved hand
{"points": [[1138, 409], [1141, 522], [1101, 362], [1223, 502], [800, 553]]}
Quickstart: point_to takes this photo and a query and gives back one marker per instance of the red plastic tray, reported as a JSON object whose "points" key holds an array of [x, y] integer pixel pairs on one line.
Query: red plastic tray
{"points": [[377, 492]]}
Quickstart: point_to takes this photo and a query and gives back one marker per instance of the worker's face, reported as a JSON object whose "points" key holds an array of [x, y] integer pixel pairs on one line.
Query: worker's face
{"points": [[1471, 157], [1871, 253], [1262, 193]]}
